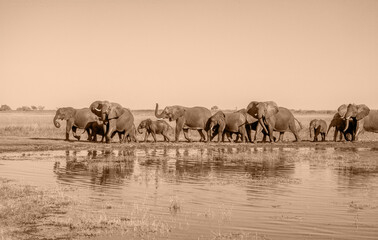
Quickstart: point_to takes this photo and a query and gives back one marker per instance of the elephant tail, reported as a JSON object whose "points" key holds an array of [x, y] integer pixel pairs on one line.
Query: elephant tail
{"points": [[299, 123]]}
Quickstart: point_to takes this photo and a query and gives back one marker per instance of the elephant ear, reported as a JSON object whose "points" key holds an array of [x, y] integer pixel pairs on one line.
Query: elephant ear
{"points": [[177, 112], [115, 111], [67, 112], [247, 116], [252, 108], [342, 110], [148, 122], [271, 109], [362, 111]]}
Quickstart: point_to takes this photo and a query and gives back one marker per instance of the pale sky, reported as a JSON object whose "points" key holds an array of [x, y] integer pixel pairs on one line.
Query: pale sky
{"points": [[305, 54]]}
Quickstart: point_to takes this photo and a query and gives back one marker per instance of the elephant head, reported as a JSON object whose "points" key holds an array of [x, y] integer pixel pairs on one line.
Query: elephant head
{"points": [[106, 110], [170, 112], [144, 124], [219, 118], [313, 124], [356, 112], [249, 119], [262, 111], [63, 114]]}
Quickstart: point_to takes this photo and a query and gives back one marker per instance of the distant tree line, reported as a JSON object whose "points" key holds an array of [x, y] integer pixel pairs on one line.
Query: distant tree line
{"points": [[5, 107]]}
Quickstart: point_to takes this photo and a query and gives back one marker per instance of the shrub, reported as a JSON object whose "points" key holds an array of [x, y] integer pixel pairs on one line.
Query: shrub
{"points": [[5, 108], [24, 108]]}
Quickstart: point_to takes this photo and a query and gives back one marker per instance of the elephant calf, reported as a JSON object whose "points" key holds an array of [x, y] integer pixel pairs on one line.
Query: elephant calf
{"points": [[318, 126], [97, 129], [153, 128]]}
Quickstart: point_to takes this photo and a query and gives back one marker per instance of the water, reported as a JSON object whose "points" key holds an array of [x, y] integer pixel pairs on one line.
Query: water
{"points": [[275, 193]]}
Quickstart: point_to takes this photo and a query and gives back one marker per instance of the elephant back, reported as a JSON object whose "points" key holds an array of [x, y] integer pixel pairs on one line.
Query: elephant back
{"points": [[234, 121], [83, 117], [197, 117]]}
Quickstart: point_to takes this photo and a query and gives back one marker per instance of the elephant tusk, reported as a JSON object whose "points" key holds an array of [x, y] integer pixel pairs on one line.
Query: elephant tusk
{"points": [[99, 110]]}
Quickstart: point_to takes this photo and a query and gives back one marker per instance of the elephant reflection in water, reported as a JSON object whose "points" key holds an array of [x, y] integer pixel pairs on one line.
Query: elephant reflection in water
{"points": [[97, 172]]}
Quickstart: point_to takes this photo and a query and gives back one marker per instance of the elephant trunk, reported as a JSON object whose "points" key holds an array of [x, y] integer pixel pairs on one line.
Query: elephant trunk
{"points": [[329, 128], [56, 123], [261, 121], [311, 130], [138, 129], [347, 124], [156, 112]]}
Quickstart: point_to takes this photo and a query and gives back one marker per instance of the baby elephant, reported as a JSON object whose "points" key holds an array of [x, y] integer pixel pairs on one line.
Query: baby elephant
{"points": [[318, 126], [154, 127]]}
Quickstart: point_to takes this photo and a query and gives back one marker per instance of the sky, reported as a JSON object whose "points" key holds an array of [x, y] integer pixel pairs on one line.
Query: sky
{"points": [[302, 54]]}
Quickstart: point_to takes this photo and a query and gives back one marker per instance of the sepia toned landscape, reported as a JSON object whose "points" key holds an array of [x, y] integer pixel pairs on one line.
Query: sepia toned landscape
{"points": [[56, 189], [260, 119]]}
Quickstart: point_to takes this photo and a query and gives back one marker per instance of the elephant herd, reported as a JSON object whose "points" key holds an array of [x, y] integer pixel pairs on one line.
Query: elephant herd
{"points": [[107, 119]]}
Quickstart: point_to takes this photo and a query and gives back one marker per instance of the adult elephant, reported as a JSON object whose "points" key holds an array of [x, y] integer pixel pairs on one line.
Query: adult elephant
{"points": [[229, 123], [186, 118], [115, 119], [339, 124], [362, 117], [273, 118], [76, 119]]}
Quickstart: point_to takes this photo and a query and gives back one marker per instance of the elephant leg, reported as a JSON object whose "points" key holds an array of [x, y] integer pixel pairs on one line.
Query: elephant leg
{"points": [[341, 134], [248, 130], [74, 133], [243, 134], [111, 128], [317, 131], [114, 133], [229, 137], [68, 129], [186, 134], [166, 138], [121, 139], [179, 126], [89, 134], [335, 135], [270, 132], [203, 138], [264, 138], [359, 128], [237, 137], [146, 136], [153, 135], [323, 136], [293, 129], [257, 131], [280, 138]]}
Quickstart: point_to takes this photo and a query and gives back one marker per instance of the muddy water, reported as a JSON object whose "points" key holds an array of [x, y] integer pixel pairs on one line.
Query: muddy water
{"points": [[271, 193]]}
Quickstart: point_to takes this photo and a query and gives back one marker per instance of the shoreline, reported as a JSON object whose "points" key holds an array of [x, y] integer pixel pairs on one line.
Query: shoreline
{"points": [[20, 144]]}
